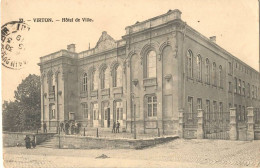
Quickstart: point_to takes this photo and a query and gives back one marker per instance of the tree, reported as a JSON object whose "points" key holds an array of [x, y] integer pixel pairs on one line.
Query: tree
{"points": [[25, 112]]}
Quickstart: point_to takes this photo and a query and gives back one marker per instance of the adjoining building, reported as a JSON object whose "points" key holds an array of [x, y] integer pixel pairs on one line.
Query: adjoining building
{"points": [[160, 71]]}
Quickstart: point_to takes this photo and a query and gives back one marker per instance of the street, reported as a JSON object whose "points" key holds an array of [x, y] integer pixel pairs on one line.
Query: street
{"points": [[178, 153]]}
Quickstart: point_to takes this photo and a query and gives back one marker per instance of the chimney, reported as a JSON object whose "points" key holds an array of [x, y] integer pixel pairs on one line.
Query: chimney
{"points": [[213, 39], [71, 48]]}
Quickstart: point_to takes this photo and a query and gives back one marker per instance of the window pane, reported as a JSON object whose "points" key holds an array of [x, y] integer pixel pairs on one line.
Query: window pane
{"points": [[149, 99], [154, 110], [154, 99], [106, 80], [149, 110], [151, 64], [118, 76]]}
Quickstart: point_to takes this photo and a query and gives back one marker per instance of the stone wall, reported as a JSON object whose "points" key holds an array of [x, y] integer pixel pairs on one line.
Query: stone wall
{"points": [[17, 138], [72, 142]]}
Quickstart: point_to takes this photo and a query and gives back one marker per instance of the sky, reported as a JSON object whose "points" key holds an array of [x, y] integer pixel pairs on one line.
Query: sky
{"points": [[234, 22]]}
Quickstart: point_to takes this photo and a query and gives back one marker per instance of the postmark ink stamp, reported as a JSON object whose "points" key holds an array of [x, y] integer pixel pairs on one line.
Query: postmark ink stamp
{"points": [[13, 44]]}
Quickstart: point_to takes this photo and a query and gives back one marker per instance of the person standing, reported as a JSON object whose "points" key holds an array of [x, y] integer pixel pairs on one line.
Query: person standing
{"points": [[44, 127], [117, 127], [72, 128], [33, 141], [114, 128], [27, 142], [62, 127], [67, 126]]}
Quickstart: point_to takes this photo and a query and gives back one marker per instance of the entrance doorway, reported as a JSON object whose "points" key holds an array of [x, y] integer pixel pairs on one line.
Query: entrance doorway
{"points": [[95, 115], [107, 117]]}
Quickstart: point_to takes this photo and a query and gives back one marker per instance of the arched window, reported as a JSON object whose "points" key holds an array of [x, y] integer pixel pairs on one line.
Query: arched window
{"points": [[220, 77], [199, 68], [51, 83], [104, 78], [214, 74], [85, 83], [207, 71], [150, 65], [117, 76], [190, 63], [94, 79]]}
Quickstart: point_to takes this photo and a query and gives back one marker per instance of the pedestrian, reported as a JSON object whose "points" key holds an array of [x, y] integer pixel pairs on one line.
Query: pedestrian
{"points": [[79, 128], [27, 142], [117, 127], [72, 128], [76, 128], [33, 141], [114, 128], [44, 127], [67, 126], [62, 127]]}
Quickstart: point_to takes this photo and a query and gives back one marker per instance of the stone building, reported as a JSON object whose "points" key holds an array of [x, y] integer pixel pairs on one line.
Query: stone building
{"points": [[157, 76]]}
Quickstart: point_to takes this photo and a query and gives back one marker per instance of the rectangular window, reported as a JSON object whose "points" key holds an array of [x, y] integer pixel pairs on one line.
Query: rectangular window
{"points": [[239, 86], [152, 106], [52, 111], [230, 86], [235, 87], [215, 109], [230, 106], [190, 107], [253, 91], [230, 68], [207, 109], [243, 88], [106, 114], [85, 110], [95, 111], [71, 116], [119, 110], [220, 107], [199, 103], [239, 113]]}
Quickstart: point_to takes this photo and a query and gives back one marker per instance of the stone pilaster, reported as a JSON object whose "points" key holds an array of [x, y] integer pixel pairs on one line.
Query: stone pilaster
{"points": [[250, 124], [200, 131], [180, 131], [233, 124]]}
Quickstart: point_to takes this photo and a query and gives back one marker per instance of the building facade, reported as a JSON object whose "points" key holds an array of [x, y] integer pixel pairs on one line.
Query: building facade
{"points": [[160, 70]]}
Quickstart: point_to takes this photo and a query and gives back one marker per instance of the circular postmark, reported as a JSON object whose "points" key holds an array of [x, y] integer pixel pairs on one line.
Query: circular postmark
{"points": [[13, 46]]}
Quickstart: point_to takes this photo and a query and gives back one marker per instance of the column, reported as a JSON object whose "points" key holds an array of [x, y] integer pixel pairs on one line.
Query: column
{"points": [[250, 124], [180, 131], [233, 124], [42, 101], [200, 131]]}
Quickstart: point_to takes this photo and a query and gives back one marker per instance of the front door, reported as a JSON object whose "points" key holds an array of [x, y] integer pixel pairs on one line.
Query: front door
{"points": [[95, 115], [106, 117], [119, 112]]}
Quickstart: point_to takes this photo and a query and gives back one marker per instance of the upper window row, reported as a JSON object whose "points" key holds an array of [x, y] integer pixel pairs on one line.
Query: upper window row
{"points": [[104, 79], [213, 73], [242, 69]]}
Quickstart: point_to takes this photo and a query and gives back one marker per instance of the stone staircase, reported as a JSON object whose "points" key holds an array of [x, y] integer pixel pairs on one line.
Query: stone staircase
{"points": [[49, 143]]}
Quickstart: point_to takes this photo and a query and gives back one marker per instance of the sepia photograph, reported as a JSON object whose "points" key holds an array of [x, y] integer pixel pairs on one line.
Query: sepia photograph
{"points": [[148, 83]]}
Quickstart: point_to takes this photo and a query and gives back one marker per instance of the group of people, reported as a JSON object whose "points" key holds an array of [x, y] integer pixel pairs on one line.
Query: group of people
{"points": [[73, 127], [30, 143], [70, 127], [116, 126]]}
